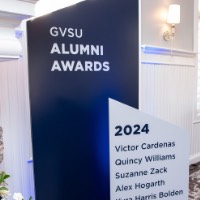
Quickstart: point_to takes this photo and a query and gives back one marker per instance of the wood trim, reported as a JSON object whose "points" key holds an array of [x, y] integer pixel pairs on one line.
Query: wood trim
{"points": [[165, 56], [148, 49]]}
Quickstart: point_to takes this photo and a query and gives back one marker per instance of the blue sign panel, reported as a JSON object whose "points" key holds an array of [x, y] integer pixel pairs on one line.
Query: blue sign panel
{"points": [[78, 58]]}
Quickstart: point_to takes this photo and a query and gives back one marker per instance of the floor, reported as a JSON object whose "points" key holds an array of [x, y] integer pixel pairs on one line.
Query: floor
{"points": [[194, 182]]}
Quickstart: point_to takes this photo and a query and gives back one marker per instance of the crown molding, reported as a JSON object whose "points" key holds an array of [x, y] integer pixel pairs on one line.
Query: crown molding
{"points": [[9, 19], [10, 49], [13, 12]]}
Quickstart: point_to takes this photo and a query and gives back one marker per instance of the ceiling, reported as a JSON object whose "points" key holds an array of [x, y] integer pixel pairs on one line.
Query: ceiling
{"points": [[29, 1]]}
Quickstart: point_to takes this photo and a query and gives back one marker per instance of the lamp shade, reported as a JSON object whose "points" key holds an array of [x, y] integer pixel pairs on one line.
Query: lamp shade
{"points": [[174, 14]]}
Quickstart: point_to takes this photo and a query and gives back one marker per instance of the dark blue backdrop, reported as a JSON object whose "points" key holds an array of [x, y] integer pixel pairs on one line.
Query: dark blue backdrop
{"points": [[69, 110]]}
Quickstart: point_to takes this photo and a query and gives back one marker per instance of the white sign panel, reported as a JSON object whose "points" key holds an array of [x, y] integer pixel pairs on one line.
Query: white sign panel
{"points": [[149, 158]]}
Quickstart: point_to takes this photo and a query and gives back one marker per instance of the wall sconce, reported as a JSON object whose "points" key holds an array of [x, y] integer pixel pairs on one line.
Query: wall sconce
{"points": [[173, 18]]}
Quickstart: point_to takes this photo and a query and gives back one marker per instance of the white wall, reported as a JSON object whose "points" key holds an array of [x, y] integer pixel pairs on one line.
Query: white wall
{"points": [[167, 91], [15, 120], [154, 23], [168, 82], [14, 102]]}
